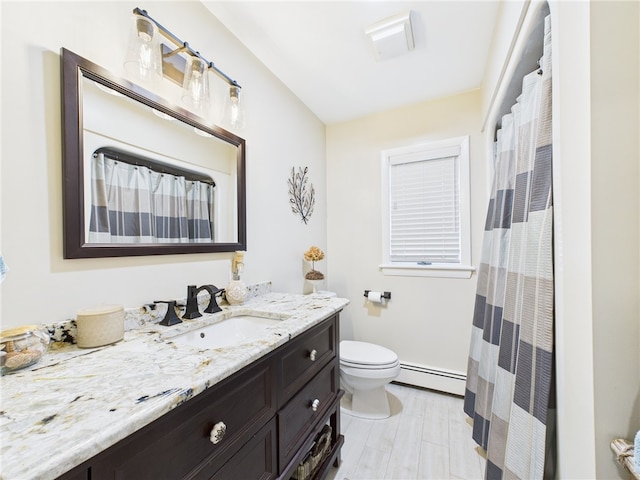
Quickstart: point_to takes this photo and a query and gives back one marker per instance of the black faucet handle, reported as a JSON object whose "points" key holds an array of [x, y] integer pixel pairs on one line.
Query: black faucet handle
{"points": [[170, 317]]}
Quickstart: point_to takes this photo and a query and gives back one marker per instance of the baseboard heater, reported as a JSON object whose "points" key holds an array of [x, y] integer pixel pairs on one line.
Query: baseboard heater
{"points": [[433, 378]]}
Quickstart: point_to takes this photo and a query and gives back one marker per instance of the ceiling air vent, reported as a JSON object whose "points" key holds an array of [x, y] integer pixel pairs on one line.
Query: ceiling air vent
{"points": [[391, 37]]}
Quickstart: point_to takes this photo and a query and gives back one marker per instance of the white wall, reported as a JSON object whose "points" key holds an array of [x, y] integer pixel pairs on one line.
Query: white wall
{"points": [[503, 43], [615, 170], [596, 126], [573, 274], [280, 133], [427, 322]]}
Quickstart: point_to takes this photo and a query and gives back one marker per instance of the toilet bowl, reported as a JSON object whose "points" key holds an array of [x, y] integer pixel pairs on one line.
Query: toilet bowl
{"points": [[365, 369]]}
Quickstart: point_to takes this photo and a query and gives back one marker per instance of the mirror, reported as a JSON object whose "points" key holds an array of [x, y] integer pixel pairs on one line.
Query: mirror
{"points": [[107, 119]]}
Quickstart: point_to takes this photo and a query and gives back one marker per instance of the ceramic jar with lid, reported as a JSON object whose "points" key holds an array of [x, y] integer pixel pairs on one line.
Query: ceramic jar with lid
{"points": [[100, 326]]}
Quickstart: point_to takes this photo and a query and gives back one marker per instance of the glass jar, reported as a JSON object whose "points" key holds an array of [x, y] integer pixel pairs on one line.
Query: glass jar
{"points": [[21, 347]]}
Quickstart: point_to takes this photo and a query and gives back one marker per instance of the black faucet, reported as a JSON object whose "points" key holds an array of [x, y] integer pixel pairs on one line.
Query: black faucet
{"points": [[192, 311], [170, 317], [214, 291]]}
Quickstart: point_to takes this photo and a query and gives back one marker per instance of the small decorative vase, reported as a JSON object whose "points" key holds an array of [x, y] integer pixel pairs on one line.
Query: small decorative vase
{"points": [[315, 278], [315, 284], [236, 292]]}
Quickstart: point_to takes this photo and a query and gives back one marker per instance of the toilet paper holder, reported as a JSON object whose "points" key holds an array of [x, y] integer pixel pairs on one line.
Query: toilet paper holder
{"points": [[386, 295]]}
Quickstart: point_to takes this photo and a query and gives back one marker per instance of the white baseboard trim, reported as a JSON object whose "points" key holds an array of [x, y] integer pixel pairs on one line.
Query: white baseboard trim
{"points": [[433, 378]]}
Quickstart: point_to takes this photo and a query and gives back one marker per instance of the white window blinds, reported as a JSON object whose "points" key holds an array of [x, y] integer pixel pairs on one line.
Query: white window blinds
{"points": [[424, 206]]}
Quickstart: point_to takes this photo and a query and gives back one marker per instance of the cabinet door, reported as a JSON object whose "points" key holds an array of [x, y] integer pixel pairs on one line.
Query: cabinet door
{"points": [[299, 417], [256, 460], [178, 445]]}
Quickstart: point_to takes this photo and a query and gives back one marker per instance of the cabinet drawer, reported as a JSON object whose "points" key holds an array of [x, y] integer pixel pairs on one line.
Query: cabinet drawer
{"points": [[178, 444], [305, 357], [256, 460], [298, 418]]}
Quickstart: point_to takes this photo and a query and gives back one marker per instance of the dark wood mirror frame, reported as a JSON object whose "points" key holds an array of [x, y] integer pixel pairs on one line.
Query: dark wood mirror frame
{"points": [[74, 69]]}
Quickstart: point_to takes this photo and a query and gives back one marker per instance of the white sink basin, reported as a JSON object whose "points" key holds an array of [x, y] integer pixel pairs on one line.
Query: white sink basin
{"points": [[232, 331]]}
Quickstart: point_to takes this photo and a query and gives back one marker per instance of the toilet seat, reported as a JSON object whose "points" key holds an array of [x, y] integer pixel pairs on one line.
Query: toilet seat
{"points": [[364, 366], [366, 356]]}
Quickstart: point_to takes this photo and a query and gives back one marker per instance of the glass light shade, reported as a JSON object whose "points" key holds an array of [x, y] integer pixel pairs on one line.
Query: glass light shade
{"points": [[144, 57], [234, 108], [195, 89]]}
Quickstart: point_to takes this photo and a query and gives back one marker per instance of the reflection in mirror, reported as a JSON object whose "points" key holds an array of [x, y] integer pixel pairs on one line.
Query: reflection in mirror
{"points": [[136, 199], [144, 177]]}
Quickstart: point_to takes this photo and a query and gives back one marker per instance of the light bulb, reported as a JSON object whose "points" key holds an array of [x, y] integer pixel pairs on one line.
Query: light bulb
{"points": [[235, 108], [195, 89]]}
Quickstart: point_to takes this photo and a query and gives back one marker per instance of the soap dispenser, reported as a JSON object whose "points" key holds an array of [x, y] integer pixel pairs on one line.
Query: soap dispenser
{"points": [[236, 291]]}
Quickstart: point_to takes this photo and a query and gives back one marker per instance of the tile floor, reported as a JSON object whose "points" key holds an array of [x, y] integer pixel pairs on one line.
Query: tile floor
{"points": [[427, 436]]}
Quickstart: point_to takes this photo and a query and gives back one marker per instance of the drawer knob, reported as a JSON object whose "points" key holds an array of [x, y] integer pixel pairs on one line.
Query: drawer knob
{"points": [[313, 354], [315, 404], [217, 432]]}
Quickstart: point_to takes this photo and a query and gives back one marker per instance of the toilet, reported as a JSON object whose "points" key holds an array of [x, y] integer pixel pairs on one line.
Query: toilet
{"points": [[365, 369]]}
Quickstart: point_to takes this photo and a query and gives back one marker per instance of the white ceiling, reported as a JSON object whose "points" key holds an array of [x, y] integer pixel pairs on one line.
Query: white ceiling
{"points": [[320, 51]]}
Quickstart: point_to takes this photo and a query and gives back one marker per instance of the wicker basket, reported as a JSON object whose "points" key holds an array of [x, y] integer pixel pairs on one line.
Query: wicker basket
{"points": [[315, 457]]}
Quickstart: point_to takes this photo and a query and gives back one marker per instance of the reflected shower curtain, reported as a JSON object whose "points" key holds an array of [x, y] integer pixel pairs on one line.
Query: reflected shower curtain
{"points": [[121, 202], [169, 208], [510, 369], [200, 212], [134, 204]]}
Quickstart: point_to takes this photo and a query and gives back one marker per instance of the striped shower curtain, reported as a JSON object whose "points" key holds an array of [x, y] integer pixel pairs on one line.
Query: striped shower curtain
{"points": [[510, 368], [134, 204]]}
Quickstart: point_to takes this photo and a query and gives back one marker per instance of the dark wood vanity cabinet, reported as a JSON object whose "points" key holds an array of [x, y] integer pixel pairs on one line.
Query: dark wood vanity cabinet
{"points": [[272, 410]]}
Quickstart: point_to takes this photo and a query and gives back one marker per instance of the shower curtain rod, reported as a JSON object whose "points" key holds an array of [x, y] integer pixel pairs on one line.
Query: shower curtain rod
{"points": [[154, 165], [531, 17]]}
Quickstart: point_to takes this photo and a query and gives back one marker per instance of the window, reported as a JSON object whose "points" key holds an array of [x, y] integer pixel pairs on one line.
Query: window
{"points": [[426, 209]]}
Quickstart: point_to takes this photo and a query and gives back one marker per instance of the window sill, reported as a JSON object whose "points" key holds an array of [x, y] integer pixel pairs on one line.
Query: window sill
{"points": [[414, 270]]}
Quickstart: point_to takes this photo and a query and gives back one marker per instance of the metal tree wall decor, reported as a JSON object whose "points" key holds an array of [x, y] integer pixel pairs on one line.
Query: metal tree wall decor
{"points": [[301, 200]]}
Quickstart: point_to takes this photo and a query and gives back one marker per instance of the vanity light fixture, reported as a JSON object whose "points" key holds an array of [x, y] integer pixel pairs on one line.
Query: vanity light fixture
{"points": [[150, 60]]}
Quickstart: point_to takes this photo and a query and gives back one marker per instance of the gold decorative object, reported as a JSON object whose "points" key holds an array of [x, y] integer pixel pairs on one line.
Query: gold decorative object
{"points": [[313, 255]]}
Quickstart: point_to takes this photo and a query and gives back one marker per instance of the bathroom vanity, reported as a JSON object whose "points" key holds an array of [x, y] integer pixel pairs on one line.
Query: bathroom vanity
{"points": [[252, 410]]}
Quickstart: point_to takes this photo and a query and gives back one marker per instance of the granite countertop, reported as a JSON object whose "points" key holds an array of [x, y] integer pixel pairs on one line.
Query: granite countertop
{"points": [[77, 402]]}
